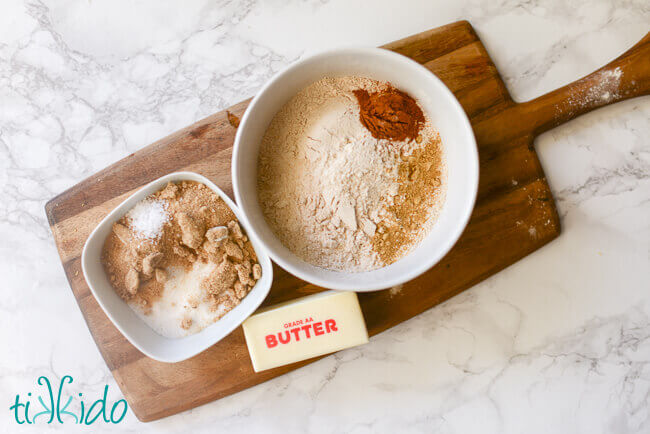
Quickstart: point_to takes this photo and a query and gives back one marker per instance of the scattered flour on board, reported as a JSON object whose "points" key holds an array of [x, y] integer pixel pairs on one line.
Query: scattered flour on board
{"points": [[605, 90], [395, 290]]}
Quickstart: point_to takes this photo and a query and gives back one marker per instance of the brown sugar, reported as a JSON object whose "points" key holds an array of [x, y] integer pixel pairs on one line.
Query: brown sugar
{"points": [[198, 228]]}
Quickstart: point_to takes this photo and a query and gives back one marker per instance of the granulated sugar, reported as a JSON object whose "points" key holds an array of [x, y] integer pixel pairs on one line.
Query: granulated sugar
{"points": [[325, 183], [179, 303]]}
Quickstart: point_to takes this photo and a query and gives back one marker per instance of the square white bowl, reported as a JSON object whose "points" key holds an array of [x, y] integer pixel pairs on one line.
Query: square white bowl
{"points": [[133, 328]]}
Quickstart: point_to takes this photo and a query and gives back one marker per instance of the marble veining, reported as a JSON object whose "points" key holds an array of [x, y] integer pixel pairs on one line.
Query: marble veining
{"points": [[557, 343]]}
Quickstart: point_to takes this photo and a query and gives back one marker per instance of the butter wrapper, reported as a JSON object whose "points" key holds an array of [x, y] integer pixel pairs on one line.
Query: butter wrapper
{"points": [[304, 328]]}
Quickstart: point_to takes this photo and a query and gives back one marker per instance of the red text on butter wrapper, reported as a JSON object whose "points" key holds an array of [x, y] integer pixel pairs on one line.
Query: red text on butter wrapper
{"points": [[308, 331]]}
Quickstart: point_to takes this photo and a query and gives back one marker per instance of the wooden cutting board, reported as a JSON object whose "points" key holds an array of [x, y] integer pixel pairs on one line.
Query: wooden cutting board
{"points": [[515, 213]]}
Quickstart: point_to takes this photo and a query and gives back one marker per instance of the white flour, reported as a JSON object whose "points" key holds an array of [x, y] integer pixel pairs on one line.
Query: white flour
{"points": [[323, 181], [605, 89]]}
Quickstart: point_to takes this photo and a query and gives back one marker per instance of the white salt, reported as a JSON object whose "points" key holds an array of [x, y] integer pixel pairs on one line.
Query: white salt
{"points": [[147, 218]]}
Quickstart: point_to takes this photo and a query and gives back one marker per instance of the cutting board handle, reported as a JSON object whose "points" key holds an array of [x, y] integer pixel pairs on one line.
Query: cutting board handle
{"points": [[626, 77]]}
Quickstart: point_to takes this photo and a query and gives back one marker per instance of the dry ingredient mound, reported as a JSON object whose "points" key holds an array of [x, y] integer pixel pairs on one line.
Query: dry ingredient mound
{"points": [[350, 174], [180, 259], [390, 114]]}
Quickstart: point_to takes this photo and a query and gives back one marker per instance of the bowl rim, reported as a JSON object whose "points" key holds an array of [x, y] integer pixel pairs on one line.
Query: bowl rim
{"points": [[261, 252], [473, 166]]}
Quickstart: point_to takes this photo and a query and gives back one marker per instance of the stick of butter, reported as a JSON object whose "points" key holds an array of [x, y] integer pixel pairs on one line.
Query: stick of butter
{"points": [[307, 327]]}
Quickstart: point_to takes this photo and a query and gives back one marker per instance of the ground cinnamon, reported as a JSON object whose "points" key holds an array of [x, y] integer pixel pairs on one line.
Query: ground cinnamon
{"points": [[390, 114]]}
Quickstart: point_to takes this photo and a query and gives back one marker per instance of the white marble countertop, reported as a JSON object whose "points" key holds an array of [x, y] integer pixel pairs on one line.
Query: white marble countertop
{"points": [[558, 343]]}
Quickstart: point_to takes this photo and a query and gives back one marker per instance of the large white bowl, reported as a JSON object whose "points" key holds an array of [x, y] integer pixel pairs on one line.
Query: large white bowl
{"points": [[437, 101], [133, 328]]}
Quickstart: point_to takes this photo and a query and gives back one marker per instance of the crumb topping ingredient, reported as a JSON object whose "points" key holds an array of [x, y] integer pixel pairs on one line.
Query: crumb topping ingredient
{"points": [[390, 114], [334, 193], [180, 259], [147, 218]]}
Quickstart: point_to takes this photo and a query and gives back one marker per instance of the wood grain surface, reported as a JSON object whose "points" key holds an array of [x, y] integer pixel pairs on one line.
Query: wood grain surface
{"points": [[514, 215]]}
